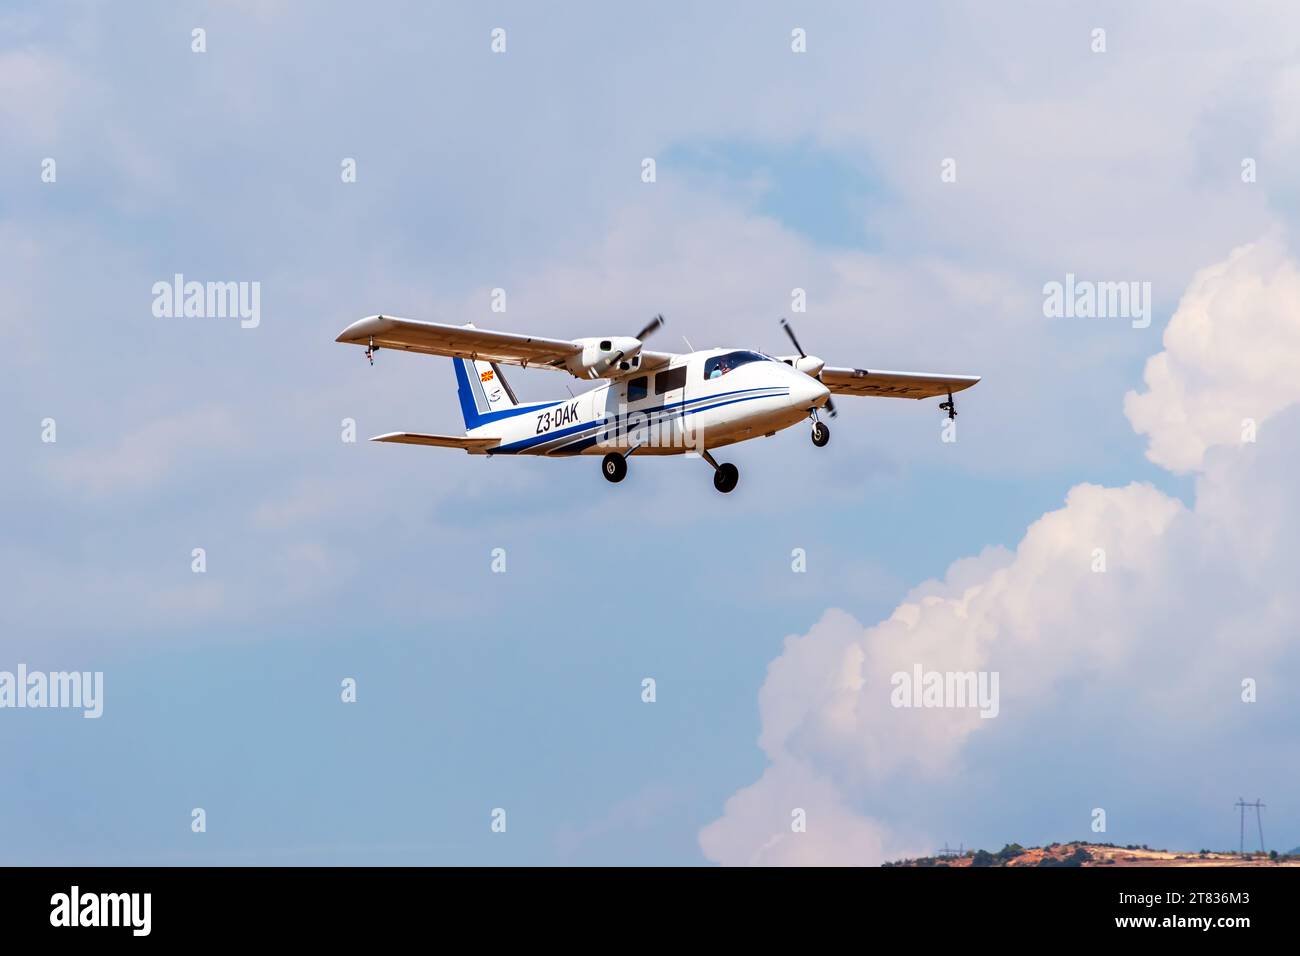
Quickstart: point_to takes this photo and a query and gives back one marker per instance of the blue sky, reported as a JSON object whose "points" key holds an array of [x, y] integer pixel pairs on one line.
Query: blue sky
{"points": [[521, 171]]}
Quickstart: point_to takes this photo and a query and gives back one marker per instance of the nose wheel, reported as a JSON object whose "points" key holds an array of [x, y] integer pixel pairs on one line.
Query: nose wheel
{"points": [[820, 434], [614, 467]]}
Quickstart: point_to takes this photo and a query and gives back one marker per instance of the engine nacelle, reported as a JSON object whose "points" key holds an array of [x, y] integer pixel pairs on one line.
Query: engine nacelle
{"points": [[808, 364], [605, 358]]}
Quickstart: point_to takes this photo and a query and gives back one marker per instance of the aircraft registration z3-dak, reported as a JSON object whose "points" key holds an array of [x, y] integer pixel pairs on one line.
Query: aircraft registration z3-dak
{"points": [[648, 403]]}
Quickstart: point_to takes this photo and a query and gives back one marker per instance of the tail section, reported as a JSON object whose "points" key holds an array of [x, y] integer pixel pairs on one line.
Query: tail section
{"points": [[483, 392]]}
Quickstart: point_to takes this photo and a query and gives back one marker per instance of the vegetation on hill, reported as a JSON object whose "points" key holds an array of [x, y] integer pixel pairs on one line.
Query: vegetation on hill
{"points": [[1098, 854]]}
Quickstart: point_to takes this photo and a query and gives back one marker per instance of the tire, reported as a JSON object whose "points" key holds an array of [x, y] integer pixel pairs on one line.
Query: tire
{"points": [[614, 467], [820, 435], [726, 478]]}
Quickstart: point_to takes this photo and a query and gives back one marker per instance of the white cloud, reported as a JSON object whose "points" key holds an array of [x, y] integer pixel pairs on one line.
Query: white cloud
{"points": [[1231, 354], [757, 827], [1191, 601]]}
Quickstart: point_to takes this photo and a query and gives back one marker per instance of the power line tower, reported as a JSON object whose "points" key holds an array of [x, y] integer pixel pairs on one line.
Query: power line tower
{"points": [[1242, 805], [949, 851]]}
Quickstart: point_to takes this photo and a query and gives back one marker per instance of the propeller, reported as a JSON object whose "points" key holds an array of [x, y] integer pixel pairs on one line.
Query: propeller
{"points": [[789, 330], [652, 326], [655, 323]]}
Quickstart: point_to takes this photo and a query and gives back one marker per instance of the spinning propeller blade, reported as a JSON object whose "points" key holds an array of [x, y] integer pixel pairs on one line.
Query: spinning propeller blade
{"points": [[789, 330], [654, 325]]}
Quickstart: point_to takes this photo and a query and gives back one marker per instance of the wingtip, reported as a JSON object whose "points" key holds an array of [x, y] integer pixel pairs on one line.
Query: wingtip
{"points": [[359, 330]]}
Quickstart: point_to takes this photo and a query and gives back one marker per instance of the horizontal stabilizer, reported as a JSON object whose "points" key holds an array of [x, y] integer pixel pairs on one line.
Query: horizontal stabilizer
{"points": [[475, 446]]}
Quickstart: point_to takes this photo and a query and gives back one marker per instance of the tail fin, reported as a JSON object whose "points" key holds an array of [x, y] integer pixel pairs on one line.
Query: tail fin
{"points": [[483, 390]]}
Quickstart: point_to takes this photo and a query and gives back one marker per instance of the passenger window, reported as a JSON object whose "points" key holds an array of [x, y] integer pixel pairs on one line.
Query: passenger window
{"points": [[672, 379], [636, 389]]}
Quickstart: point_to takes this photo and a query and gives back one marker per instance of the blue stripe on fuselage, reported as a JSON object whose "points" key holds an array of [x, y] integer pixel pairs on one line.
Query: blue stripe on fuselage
{"points": [[651, 415]]}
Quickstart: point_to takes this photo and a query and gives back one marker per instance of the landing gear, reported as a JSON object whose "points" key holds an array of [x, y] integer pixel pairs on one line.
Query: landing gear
{"points": [[820, 434], [725, 477], [614, 467], [949, 407]]}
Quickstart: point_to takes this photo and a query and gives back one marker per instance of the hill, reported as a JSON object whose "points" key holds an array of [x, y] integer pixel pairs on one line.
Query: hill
{"points": [[1097, 854]]}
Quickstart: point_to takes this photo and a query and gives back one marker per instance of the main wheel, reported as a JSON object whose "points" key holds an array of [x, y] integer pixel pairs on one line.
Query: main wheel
{"points": [[614, 467], [726, 477], [820, 435]]}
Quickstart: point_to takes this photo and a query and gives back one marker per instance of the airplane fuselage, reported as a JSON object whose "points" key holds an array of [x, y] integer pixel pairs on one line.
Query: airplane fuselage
{"points": [[701, 400]]}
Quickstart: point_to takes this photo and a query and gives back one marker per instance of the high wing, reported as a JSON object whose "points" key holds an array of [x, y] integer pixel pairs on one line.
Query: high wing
{"points": [[465, 341], [652, 360], [475, 446], [458, 341], [861, 381]]}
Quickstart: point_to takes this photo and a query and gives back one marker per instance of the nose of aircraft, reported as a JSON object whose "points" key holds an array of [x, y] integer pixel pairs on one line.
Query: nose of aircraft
{"points": [[808, 392]]}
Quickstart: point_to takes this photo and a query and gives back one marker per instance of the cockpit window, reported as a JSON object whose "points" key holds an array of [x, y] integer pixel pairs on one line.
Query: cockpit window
{"points": [[720, 365]]}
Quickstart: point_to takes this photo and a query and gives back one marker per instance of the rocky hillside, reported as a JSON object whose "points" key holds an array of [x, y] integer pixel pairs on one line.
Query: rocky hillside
{"points": [[1098, 854]]}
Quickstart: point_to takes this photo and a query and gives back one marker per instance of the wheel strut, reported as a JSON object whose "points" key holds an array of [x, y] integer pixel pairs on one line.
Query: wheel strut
{"points": [[949, 406]]}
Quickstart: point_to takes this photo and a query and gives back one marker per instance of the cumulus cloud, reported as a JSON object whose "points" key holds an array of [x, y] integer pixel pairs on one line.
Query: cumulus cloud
{"points": [[1230, 358], [818, 828], [1116, 586]]}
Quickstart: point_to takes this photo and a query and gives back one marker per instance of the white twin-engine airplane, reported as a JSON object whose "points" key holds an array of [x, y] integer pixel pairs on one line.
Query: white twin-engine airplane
{"points": [[653, 403]]}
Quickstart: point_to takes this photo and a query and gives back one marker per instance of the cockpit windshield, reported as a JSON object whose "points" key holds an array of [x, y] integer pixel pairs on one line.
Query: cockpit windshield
{"points": [[720, 365]]}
